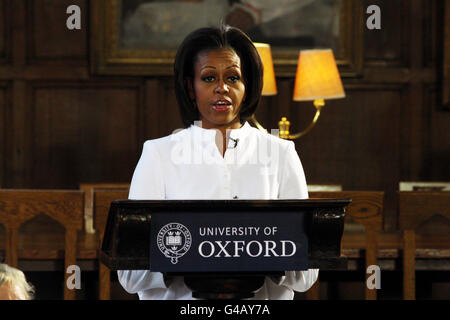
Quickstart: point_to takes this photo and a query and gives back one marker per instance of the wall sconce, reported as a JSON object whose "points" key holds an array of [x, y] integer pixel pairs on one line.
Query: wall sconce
{"points": [[317, 79]]}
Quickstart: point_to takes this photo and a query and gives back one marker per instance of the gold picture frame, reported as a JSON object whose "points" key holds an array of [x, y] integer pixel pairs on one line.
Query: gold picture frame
{"points": [[109, 58]]}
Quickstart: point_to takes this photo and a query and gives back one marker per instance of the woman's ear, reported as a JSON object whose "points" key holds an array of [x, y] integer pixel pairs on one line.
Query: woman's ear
{"points": [[190, 88]]}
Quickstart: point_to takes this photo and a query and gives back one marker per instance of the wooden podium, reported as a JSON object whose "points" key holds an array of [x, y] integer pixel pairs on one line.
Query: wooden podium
{"points": [[224, 248]]}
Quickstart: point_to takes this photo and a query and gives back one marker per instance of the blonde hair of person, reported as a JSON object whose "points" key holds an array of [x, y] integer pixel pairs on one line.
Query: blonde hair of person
{"points": [[15, 279]]}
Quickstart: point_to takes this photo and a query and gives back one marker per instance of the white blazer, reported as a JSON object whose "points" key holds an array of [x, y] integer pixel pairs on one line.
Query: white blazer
{"points": [[188, 165]]}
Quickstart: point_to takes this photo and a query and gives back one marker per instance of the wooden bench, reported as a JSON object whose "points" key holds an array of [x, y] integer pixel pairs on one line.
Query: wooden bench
{"points": [[98, 197], [19, 206], [89, 189], [37, 243], [416, 210], [363, 219]]}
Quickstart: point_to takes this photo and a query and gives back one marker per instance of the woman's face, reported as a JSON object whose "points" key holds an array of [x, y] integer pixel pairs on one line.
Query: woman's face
{"points": [[218, 88]]}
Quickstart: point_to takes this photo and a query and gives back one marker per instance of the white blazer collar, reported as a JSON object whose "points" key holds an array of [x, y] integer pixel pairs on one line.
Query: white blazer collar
{"points": [[240, 133]]}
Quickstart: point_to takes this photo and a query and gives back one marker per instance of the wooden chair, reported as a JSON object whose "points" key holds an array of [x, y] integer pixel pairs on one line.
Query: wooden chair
{"points": [[66, 207], [100, 198], [366, 210], [415, 210], [89, 189]]}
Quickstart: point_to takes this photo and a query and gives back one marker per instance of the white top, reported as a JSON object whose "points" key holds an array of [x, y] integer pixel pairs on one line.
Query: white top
{"points": [[188, 165]]}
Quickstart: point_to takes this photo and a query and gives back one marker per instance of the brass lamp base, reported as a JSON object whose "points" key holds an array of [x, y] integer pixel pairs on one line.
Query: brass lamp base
{"points": [[284, 124]]}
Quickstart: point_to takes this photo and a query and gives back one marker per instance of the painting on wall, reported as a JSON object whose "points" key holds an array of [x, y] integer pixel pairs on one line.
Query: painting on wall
{"points": [[141, 36]]}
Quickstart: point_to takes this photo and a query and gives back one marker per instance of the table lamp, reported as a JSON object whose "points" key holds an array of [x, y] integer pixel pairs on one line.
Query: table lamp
{"points": [[317, 79], [269, 83]]}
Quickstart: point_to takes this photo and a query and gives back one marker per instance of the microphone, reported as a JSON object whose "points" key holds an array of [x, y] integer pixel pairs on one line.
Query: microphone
{"points": [[236, 141]]}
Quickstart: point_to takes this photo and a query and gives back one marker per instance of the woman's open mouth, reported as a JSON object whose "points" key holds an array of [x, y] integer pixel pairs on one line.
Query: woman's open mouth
{"points": [[221, 105]]}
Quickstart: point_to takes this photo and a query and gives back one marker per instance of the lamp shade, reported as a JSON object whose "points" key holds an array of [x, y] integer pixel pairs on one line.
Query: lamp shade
{"points": [[317, 76], [269, 86]]}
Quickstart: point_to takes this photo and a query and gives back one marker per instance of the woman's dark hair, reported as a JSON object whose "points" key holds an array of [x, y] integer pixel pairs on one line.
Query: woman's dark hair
{"points": [[211, 38]]}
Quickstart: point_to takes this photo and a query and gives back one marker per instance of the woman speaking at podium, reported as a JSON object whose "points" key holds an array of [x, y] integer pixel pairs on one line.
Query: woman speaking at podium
{"points": [[218, 156]]}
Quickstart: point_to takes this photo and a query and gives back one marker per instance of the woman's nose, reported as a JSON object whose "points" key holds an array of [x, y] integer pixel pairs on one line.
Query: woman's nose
{"points": [[222, 87]]}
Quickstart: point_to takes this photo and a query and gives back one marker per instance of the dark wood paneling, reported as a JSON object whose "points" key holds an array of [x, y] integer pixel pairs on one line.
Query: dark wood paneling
{"points": [[414, 123], [5, 34], [413, 127], [18, 142], [44, 72], [437, 164], [161, 109], [356, 142], [445, 90], [84, 133], [433, 32], [3, 25], [18, 33], [48, 38], [386, 47], [4, 107], [355, 130]]}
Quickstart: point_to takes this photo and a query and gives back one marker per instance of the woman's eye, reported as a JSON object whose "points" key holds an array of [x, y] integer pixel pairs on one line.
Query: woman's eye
{"points": [[208, 79], [232, 79]]}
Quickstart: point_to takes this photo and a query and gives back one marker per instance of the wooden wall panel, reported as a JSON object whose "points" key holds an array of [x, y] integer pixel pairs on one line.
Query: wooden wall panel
{"points": [[356, 143], [3, 25], [49, 39], [5, 33], [386, 47], [437, 164], [161, 109], [4, 107], [433, 32], [84, 133], [18, 154], [355, 131]]}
